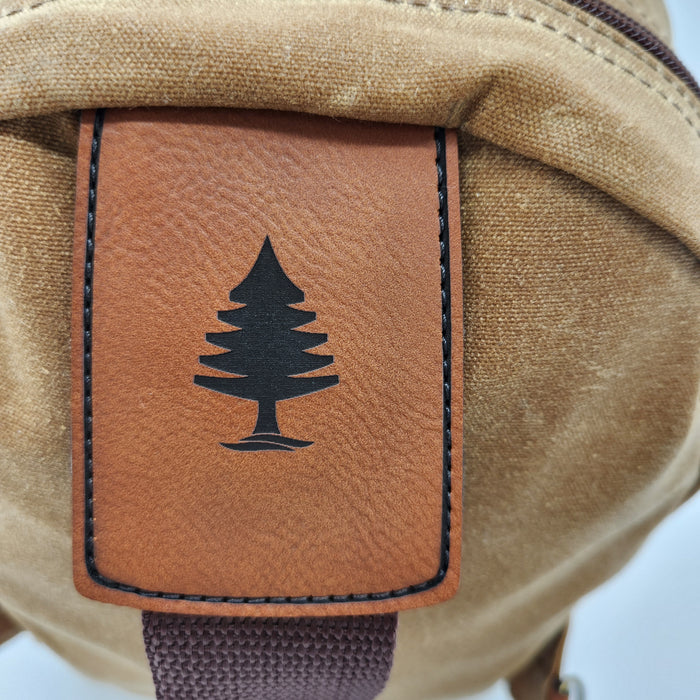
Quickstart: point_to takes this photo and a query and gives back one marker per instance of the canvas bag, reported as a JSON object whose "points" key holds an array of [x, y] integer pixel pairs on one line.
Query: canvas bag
{"points": [[576, 143]]}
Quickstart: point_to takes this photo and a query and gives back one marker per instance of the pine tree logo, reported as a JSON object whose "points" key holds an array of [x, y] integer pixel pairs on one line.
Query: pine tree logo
{"points": [[266, 352]]}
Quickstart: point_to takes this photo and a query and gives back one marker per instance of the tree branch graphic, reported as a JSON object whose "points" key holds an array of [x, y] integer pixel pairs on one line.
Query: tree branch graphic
{"points": [[266, 352]]}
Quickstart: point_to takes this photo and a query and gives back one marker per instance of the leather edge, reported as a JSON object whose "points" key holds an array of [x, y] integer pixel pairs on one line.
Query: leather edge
{"points": [[89, 587]]}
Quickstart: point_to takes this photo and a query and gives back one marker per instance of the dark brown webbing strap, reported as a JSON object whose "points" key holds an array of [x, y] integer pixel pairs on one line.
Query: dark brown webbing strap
{"points": [[273, 658]]}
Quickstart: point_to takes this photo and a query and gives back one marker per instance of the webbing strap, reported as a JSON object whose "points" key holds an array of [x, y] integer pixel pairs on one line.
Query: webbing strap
{"points": [[255, 658]]}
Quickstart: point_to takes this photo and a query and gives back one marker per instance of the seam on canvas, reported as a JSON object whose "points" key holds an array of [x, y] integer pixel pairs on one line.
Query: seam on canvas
{"points": [[24, 8], [630, 47], [447, 6], [446, 337]]}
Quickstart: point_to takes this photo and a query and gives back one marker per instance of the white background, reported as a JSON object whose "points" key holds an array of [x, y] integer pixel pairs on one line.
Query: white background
{"points": [[635, 638]]}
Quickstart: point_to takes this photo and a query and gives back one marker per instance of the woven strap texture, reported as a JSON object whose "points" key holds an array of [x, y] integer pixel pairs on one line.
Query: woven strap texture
{"points": [[247, 658]]}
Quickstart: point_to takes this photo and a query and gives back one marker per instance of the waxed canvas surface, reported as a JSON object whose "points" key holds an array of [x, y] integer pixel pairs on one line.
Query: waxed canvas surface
{"points": [[581, 289]]}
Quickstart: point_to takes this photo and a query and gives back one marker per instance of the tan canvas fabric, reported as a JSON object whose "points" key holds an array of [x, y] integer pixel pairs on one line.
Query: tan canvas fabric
{"points": [[580, 160]]}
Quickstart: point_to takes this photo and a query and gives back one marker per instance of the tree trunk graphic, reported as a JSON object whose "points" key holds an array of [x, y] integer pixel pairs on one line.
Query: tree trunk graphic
{"points": [[266, 353], [267, 417]]}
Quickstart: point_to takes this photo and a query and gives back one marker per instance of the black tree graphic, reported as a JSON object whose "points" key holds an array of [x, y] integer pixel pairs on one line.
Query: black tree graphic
{"points": [[266, 352]]}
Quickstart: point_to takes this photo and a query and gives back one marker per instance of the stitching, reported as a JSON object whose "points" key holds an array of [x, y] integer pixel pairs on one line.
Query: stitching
{"points": [[26, 8], [90, 561], [443, 218], [678, 86], [87, 336], [630, 47], [447, 6]]}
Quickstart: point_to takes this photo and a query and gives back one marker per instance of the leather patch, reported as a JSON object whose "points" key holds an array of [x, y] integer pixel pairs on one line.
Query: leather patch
{"points": [[267, 363]]}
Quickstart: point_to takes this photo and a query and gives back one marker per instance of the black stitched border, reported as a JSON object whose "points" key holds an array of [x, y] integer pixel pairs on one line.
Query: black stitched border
{"points": [[440, 162]]}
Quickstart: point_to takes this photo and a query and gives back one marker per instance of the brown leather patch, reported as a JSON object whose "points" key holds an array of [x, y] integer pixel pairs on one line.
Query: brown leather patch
{"points": [[267, 363]]}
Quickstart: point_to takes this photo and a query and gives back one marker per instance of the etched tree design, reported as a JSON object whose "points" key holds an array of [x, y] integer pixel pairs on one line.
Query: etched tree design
{"points": [[266, 352]]}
